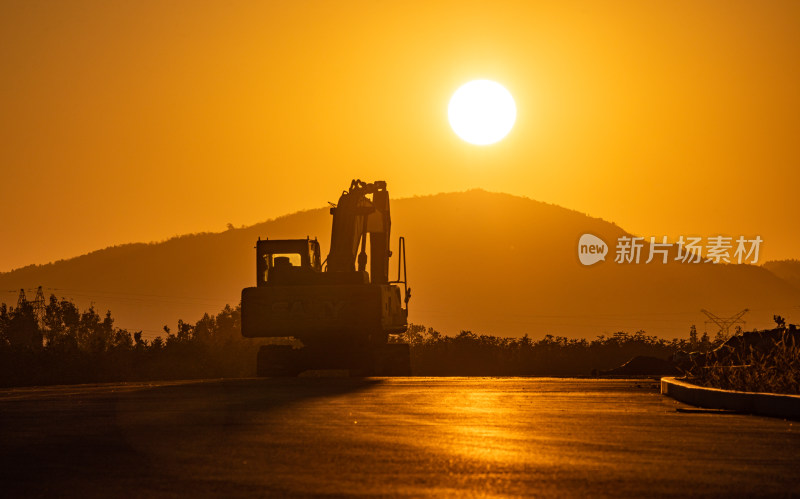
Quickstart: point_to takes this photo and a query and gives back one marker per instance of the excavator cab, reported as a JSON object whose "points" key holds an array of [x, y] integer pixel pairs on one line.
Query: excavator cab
{"points": [[287, 261]]}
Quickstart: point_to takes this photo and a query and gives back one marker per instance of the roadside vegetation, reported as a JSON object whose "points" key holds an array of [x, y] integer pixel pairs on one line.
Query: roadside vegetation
{"points": [[66, 345], [772, 369]]}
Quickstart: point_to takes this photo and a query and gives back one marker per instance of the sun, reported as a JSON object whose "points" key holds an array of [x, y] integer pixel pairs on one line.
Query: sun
{"points": [[482, 112]]}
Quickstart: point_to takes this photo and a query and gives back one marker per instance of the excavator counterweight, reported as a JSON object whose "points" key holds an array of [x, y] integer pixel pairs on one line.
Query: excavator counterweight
{"points": [[342, 313]]}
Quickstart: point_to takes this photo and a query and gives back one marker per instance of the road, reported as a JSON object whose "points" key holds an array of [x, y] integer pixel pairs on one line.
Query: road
{"points": [[400, 436]]}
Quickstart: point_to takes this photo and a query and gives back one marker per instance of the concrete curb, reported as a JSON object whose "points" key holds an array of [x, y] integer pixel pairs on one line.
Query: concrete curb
{"points": [[765, 404]]}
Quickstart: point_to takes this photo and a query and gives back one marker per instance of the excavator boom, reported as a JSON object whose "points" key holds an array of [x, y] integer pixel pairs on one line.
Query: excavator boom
{"points": [[354, 217]]}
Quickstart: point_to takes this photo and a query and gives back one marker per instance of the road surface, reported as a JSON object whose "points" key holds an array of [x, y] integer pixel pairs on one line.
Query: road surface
{"points": [[388, 437]]}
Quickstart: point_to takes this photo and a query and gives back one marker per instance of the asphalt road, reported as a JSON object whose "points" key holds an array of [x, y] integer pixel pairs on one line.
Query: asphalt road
{"points": [[388, 437]]}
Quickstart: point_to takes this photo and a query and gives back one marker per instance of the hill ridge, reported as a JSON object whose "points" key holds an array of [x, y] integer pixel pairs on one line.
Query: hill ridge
{"points": [[481, 261]]}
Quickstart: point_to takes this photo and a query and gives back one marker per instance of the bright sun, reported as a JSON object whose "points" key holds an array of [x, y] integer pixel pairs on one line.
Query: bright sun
{"points": [[482, 112]]}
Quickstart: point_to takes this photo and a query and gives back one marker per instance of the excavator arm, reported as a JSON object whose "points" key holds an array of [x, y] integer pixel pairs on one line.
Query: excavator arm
{"points": [[355, 217]]}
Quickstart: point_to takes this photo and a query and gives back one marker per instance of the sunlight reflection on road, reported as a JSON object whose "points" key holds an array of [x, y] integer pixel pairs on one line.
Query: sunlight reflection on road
{"points": [[412, 436]]}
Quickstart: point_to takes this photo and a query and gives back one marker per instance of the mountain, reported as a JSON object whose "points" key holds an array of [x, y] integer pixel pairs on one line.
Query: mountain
{"points": [[788, 270], [486, 262]]}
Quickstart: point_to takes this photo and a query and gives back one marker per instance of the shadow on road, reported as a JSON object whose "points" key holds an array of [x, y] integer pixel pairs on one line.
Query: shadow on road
{"points": [[107, 442]]}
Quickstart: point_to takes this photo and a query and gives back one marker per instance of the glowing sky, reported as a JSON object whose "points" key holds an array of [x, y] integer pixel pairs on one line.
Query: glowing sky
{"points": [[136, 121]]}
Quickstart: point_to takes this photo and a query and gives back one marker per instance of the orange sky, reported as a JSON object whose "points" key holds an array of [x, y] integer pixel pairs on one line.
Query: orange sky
{"points": [[136, 121]]}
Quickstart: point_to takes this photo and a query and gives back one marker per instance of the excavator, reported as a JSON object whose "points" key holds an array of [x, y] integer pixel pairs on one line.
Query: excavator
{"points": [[342, 314]]}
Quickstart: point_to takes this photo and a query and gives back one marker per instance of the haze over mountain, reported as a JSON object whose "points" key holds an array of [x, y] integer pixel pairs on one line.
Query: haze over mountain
{"points": [[788, 270], [486, 262]]}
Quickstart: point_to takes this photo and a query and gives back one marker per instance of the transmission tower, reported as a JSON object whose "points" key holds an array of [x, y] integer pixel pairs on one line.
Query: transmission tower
{"points": [[725, 323], [37, 305]]}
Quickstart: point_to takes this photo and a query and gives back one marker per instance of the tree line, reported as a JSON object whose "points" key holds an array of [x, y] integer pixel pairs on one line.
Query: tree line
{"points": [[63, 345], [66, 345], [471, 354]]}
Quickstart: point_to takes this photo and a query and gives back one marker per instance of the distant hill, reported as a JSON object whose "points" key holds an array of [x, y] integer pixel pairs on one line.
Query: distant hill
{"points": [[485, 262], [788, 270]]}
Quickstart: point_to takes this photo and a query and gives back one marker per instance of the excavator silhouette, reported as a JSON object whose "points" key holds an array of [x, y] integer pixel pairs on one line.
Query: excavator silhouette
{"points": [[342, 314]]}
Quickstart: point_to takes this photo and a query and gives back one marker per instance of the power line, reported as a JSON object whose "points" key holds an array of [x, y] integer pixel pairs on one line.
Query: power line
{"points": [[141, 297]]}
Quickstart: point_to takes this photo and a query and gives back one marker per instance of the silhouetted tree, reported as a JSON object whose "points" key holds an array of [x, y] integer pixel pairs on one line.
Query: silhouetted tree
{"points": [[705, 343], [22, 329], [694, 344]]}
